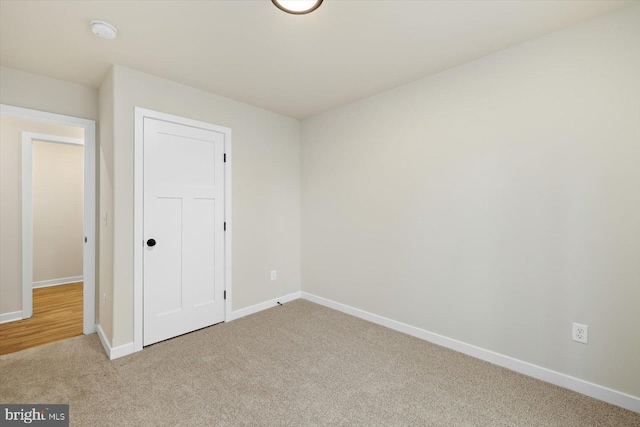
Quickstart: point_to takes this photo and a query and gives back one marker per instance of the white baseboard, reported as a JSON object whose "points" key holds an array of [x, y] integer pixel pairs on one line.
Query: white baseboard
{"points": [[114, 352], [11, 317], [236, 314], [56, 282], [596, 391], [122, 350]]}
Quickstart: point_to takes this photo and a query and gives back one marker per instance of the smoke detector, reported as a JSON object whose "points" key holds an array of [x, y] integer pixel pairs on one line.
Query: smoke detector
{"points": [[104, 30]]}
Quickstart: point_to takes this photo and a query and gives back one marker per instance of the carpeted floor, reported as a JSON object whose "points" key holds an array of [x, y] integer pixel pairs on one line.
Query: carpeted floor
{"points": [[296, 365]]}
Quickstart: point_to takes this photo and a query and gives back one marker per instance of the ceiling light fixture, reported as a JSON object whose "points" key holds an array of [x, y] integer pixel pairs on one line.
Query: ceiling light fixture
{"points": [[297, 7], [104, 30]]}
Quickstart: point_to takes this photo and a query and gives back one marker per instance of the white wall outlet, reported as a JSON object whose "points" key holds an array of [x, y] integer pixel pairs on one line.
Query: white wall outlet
{"points": [[274, 274], [580, 333], [104, 300]]}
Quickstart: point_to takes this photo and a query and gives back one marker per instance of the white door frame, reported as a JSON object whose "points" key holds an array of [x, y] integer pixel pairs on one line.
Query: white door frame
{"points": [[138, 212], [89, 215], [27, 211]]}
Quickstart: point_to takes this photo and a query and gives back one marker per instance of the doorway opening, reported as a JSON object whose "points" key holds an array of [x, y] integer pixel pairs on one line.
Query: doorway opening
{"points": [[48, 225]]}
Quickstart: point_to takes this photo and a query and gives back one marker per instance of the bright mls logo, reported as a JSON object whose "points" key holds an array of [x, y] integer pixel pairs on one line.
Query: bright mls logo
{"points": [[38, 415]]}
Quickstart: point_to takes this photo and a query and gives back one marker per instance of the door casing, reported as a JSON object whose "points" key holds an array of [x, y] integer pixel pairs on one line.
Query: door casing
{"points": [[138, 226]]}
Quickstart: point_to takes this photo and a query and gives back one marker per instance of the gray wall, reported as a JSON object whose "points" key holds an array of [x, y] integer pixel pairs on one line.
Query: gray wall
{"points": [[37, 92], [266, 189], [494, 203]]}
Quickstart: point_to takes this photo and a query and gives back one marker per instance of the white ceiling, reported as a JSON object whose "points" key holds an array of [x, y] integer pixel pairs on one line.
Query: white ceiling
{"points": [[253, 52]]}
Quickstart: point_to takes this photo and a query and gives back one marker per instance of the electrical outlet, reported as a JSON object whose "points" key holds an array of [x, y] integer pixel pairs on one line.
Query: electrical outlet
{"points": [[274, 274], [580, 333], [104, 300]]}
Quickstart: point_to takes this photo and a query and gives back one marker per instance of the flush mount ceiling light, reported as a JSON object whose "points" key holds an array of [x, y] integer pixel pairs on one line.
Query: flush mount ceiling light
{"points": [[297, 7], [104, 30]]}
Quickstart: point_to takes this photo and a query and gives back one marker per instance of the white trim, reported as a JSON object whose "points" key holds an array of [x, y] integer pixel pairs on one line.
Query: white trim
{"points": [[262, 306], [56, 282], [122, 350], [89, 253], [114, 352], [52, 138], [27, 227], [138, 214], [596, 391], [10, 317], [229, 225]]}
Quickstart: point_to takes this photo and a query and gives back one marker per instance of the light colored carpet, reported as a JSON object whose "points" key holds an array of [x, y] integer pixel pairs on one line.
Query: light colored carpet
{"points": [[296, 365]]}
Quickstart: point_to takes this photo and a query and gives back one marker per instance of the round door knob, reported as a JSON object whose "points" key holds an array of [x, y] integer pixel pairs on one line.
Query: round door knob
{"points": [[151, 242]]}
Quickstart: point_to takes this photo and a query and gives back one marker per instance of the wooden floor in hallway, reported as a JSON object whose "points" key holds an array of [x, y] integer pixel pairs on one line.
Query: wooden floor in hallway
{"points": [[57, 315]]}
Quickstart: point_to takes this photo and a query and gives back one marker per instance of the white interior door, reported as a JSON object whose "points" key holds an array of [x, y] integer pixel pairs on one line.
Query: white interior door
{"points": [[183, 263]]}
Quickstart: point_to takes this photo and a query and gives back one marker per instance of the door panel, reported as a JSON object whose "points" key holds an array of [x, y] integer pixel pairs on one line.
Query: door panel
{"points": [[183, 274], [201, 252], [167, 292]]}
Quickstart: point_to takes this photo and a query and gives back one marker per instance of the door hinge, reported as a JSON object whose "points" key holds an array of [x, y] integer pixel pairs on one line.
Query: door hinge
{"points": [[225, 157], [225, 294], [225, 226], [85, 240]]}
